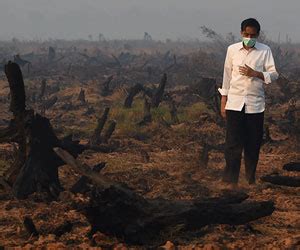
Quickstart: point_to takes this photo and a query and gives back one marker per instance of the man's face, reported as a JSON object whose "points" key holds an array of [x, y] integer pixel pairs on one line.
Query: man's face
{"points": [[249, 32]]}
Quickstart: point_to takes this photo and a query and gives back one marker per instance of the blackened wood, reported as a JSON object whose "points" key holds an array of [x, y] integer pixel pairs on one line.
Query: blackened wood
{"points": [[96, 137], [83, 185], [292, 166], [43, 89], [29, 226], [66, 227], [108, 133], [81, 96], [159, 93], [82, 168], [105, 86], [36, 164], [147, 114], [49, 103], [282, 180], [17, 124], [172, 106], [17, 89], [132, 93], [123, 213], [203, 156], [117, 210]]}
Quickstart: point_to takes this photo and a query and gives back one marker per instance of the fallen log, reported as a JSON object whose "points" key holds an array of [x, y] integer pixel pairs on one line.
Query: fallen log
{"points": [[117, 210], [83, 184], [282, 180], [292, 166]]}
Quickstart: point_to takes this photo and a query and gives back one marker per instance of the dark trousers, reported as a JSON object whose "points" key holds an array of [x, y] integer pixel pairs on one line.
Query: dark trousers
{"points": [[243, 132]]}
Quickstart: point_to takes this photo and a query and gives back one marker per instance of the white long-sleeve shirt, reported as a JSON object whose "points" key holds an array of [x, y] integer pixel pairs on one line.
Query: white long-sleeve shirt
{"points": [[241, 89]]}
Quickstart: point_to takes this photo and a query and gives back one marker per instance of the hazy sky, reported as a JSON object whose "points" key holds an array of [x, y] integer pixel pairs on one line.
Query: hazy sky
{"points": [[71, 19]]}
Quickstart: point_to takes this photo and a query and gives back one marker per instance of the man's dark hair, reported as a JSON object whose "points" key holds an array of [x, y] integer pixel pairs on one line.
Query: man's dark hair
{"points": [[252, 22]]}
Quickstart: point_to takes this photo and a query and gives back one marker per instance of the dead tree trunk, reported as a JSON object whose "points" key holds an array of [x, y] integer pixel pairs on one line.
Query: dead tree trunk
{"points": [[147, 114], [132, 93], [51, 54], [159, 93], [109, 131], [172, 106], [81, 97], [105, 91], [97, 138], [16, 130], [43, 89], [35, 167]]}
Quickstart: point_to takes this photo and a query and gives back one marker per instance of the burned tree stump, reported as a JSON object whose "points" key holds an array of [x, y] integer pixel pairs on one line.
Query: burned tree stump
{"points": [[109, 131], [105, 91], [36, 164], [147, 114], [203, 156], [159, 92], [51, 54], [29, 226], [16, 130], [47, 104], [132, 93], [43, 89], [97, 138], [172, 106], [81, 97]]}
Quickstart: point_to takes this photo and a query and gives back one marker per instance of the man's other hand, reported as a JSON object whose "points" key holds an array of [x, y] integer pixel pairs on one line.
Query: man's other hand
{"points": [[223, 104]]}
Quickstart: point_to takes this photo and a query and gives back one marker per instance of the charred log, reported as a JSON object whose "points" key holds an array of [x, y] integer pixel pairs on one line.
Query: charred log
{"points": [[117, 210], [292, 166], [282, 180]]}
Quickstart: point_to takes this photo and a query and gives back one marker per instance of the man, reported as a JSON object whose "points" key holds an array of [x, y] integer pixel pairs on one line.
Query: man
{"points": [[248, 66]]}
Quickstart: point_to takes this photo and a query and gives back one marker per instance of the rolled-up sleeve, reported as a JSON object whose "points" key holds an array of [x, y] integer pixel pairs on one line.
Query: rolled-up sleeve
{"points": [[227, 74], [270, 73]]}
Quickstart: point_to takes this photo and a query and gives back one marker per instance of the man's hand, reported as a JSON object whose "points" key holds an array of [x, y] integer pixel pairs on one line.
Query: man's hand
{"points": [[248, 71], [223, 103]]}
